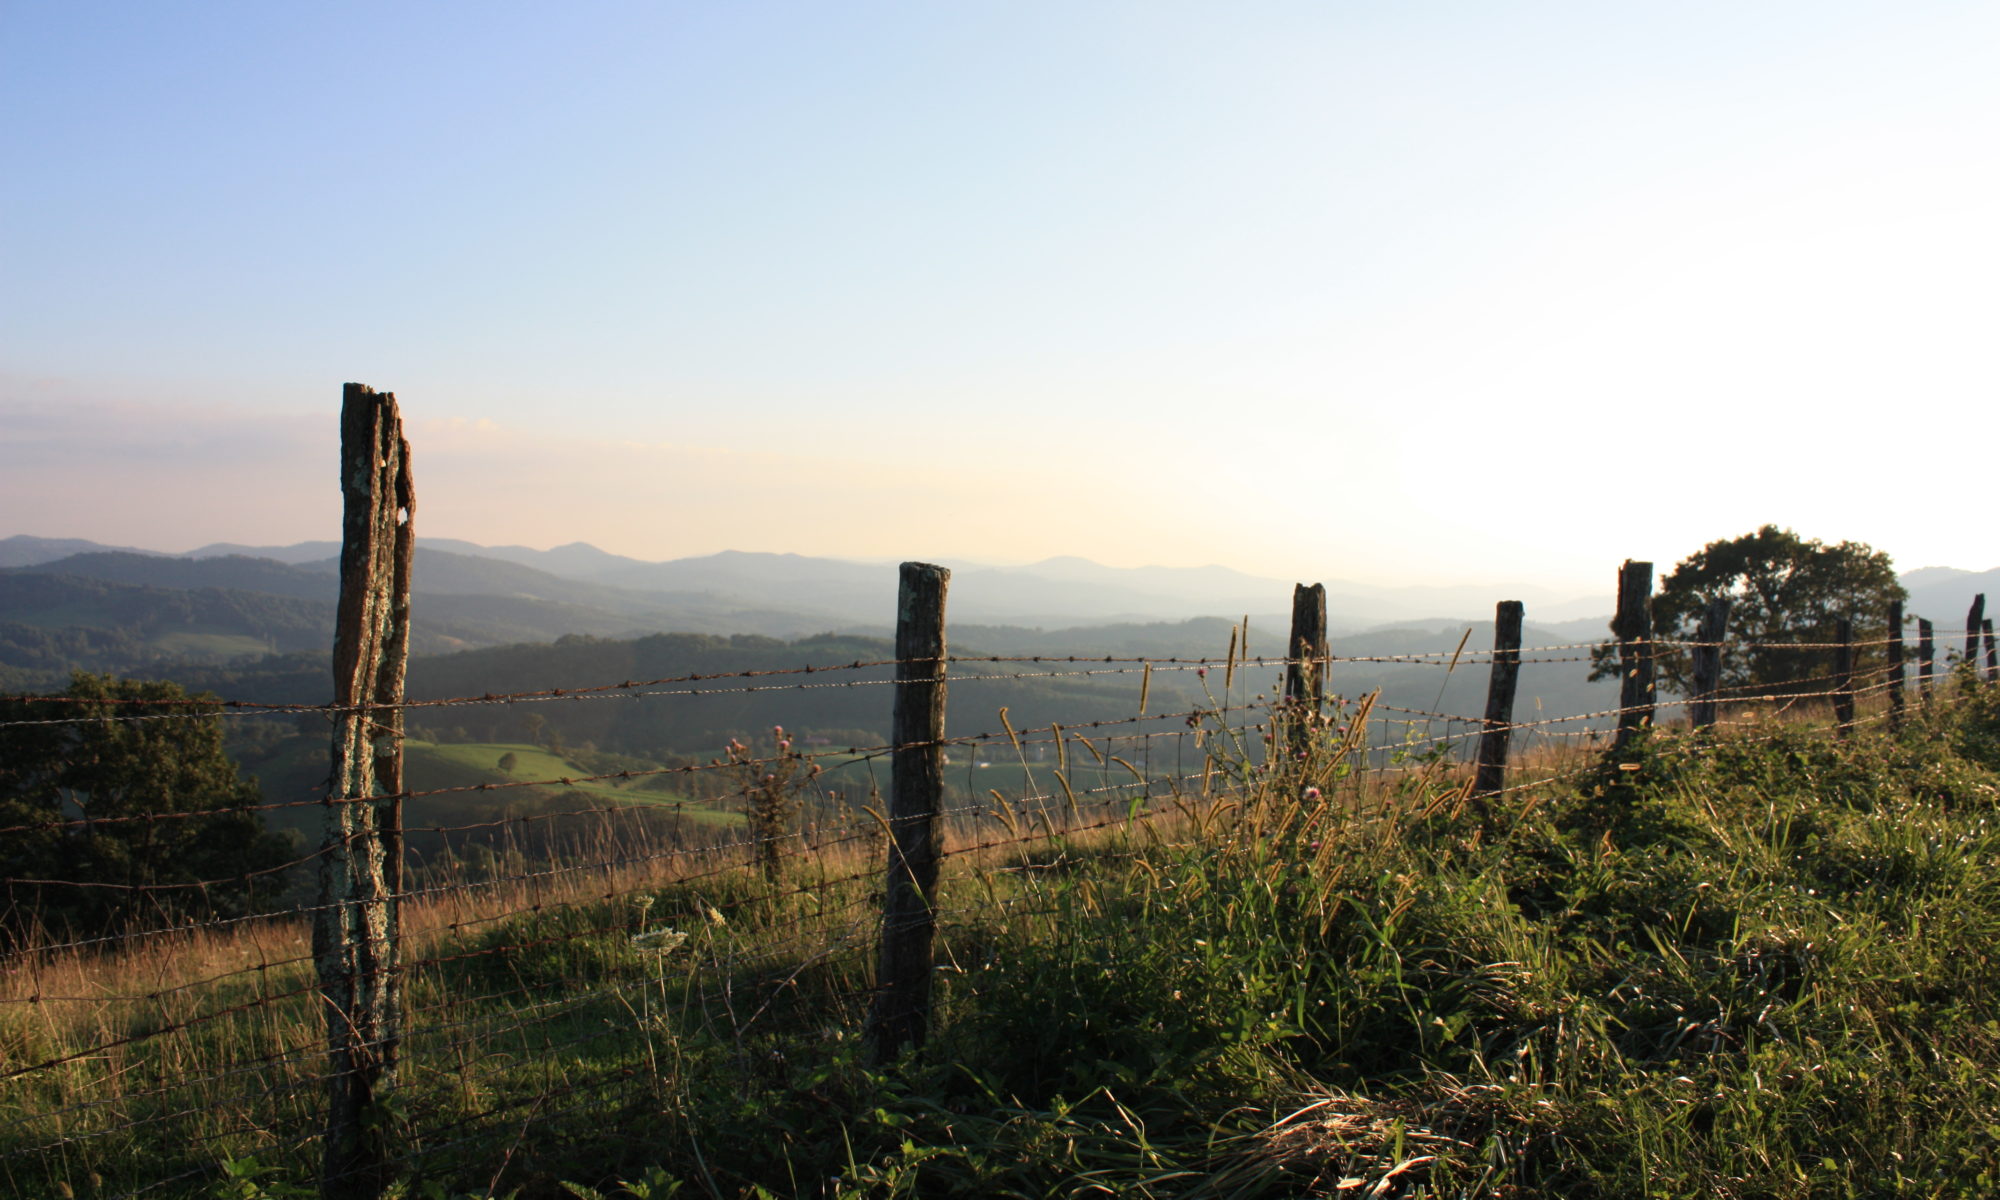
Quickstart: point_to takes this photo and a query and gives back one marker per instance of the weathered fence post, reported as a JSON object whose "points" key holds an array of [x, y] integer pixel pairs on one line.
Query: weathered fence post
{"points": [[1501, 678], [1305, 670], [1634, 627], [1926, 659], [361, 865], [1843, 675], [1974, 619], [899, 1015], [1992, 658], [1708, 661], [1896, 675]]}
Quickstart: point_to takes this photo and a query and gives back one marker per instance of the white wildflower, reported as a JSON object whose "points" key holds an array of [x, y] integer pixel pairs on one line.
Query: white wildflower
{"points": [[662, 939]]}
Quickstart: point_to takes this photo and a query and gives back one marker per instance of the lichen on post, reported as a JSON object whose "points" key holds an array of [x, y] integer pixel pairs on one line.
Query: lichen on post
{"points": [[355, 927]]}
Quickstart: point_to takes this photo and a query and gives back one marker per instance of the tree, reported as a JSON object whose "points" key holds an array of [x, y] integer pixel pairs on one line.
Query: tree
{"points": [[1784, 591], [89, 795]]}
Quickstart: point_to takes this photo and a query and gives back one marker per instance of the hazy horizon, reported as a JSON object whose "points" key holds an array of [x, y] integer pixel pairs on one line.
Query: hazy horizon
{"points": [[961, 561], [1571, 603]]}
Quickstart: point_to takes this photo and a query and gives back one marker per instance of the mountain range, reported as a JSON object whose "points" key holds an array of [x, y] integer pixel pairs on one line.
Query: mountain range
{"points": [[775, 594], [226, 602], [254, 623]]}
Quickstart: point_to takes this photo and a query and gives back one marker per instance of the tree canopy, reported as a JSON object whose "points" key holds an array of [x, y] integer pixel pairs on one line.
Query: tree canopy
{"points": [[1784, 590], [75, 769]]}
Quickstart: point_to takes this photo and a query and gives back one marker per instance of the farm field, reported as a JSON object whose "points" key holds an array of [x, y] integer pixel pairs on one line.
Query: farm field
{"points": [[431, 765], [292, 773]]}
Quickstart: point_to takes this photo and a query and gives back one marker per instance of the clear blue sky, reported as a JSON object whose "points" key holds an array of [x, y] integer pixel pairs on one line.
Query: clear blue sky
{"points": [[1385, 292]]}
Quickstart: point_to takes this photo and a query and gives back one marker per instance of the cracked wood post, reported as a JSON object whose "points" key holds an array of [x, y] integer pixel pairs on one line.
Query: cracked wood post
{"points": [[1992, 658], [1707, 661], [1897, 676], [361, 867], [1501, 677], [1843, 675], [1926, 660], [899, 1016], [1634, 627], [1305, 669], [1974, 618]]}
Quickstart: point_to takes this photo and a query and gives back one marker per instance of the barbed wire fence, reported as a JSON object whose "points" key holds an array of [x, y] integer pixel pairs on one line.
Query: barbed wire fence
{"points": [[531, 964], [415, 1012]]}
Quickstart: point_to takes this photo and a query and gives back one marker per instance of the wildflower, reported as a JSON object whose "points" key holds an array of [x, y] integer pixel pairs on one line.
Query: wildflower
{"points": [[661, 939], [1312, 793], [1201, 673]]}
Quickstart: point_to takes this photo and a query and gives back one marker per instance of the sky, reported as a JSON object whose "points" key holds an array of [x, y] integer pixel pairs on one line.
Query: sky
{"points": [[1412, 293]]}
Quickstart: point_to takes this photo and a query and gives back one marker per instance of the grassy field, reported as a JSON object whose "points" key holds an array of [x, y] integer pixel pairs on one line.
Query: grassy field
{"points": [[462, 764], [295, 769], [1754, 964]]}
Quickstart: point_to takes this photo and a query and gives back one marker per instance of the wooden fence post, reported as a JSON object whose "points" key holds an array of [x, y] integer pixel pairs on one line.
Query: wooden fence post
{"points": [[1896, 676], [1974, 619], [1501, 678], [1708, 661], [898, 1019], [1305, 670], [356, 927], [1843, 675], [1634, 627], [1926, 659], [1992, 659]]}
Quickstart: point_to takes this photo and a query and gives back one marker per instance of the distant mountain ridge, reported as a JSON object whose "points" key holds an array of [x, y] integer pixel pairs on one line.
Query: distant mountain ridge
{"points": [[789, 594], [462, 602], [1944, 594], [579, 588], [22, 550], [230, 573], [577, 560], [79, 605], [304, 552]]}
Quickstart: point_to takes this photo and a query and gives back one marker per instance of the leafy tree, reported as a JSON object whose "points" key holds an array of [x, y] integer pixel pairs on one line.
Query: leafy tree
{"points": [[69, 773], [1784, 590]]}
